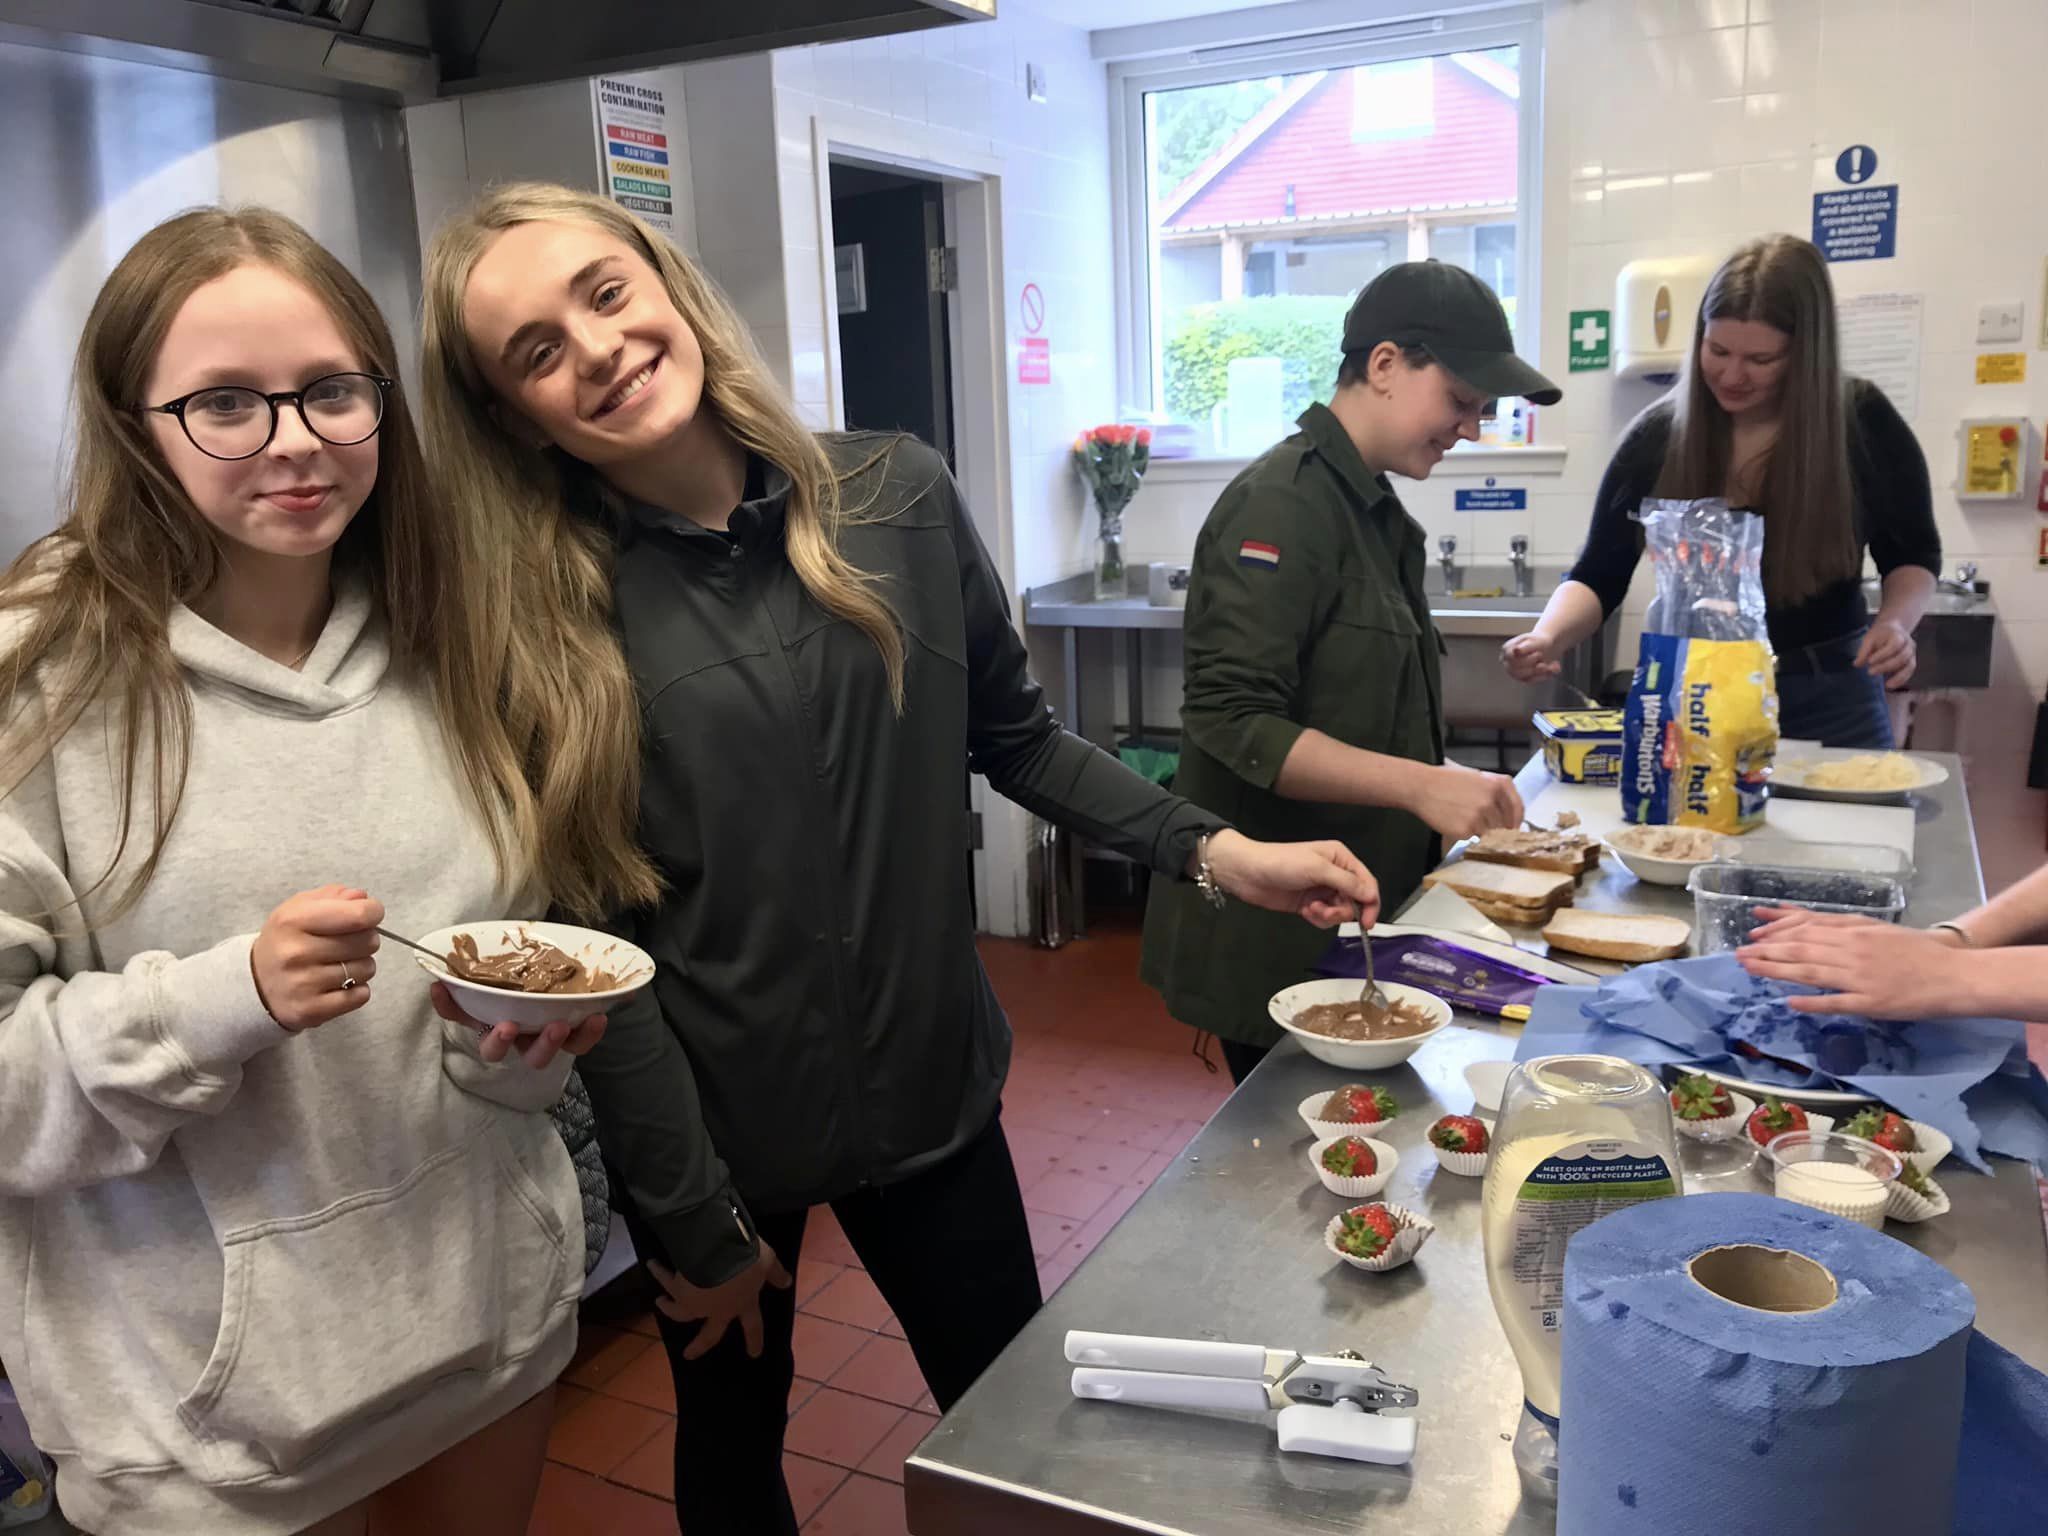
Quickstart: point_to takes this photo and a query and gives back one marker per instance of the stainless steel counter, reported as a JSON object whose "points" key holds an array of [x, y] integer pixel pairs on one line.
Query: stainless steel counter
{"points": [[1227, 1245]]}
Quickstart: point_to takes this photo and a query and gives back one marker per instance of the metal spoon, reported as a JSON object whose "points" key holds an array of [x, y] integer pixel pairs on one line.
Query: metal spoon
{"points": [[1372, 1002], [440, 961]]}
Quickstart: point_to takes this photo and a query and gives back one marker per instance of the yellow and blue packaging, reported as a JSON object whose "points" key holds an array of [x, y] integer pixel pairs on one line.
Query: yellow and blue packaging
{"points": [[1581, 746], [1700, 729]]}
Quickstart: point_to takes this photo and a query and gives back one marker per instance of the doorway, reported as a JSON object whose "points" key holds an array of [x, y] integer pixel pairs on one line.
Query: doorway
{"points": [[893, 270]]}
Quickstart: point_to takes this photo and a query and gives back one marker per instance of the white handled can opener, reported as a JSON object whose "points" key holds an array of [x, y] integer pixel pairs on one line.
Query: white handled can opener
{"points": [[1329, 1404]]}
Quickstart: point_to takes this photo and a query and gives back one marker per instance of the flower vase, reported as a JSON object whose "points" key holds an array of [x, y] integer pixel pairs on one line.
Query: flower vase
{"points": [[1110, 579]]}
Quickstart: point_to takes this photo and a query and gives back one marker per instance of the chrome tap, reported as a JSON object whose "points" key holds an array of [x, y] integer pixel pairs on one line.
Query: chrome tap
{"points": [[1518, 556], [1446, 559]]}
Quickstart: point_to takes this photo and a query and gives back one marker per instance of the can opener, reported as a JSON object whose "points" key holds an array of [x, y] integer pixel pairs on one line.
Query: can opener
{"points": [[1329, 1404]]}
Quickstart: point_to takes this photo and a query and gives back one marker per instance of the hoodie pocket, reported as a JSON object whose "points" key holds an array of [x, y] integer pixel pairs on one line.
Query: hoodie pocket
{"points": [[340, 1317]]}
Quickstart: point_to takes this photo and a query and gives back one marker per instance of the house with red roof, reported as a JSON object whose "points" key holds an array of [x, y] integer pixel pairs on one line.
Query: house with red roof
{"points": [[1345, 172]]}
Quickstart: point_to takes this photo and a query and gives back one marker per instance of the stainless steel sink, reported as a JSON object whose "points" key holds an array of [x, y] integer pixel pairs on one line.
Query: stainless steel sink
{"points": [[1478, 693]]}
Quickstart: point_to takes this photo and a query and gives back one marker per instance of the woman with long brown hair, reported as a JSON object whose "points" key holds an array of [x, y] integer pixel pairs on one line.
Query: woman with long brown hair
{"points": [[1765, 419], [279, 1251], [823, 649]]}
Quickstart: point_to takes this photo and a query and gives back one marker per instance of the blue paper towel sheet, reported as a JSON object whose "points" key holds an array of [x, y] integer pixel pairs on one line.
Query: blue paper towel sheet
{"points": [[1685, 1414], [1970, 1078]]}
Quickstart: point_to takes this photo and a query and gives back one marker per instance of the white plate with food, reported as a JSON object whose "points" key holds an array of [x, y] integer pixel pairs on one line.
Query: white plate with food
{"points": [[1337, 1032], [1862, 778], [531, 974], [1663, 855]]}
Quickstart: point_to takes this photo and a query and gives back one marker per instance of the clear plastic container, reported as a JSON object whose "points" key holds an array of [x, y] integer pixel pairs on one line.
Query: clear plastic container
{"points": [[1779, 852], [1579, 1137], [1845, 1176], [1725, 897]]}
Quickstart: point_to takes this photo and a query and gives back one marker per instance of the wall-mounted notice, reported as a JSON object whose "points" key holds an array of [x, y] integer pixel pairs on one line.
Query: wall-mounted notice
{"points": [[1861, 224], [633, 149], [1880, 341]]}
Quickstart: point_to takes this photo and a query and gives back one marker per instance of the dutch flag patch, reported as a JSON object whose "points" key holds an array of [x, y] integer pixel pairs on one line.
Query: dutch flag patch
{"points": [[1252, 552]]}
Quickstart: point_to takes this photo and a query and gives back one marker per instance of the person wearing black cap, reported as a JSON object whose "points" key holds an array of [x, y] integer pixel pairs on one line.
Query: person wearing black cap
{"points": [[1313, 704]]}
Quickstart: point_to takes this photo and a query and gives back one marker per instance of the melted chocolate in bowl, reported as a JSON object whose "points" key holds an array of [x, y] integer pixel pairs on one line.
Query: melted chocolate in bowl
{"points": [[1348, 1021], [530, 966]]}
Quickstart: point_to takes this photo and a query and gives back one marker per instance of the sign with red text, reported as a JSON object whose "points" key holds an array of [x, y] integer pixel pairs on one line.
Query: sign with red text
{"points": [[1034, 361], [633, 149]]}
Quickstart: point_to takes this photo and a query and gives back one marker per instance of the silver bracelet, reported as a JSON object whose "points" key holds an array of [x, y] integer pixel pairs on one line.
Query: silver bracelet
{"points": [[1957, 929], [1205, 878]]}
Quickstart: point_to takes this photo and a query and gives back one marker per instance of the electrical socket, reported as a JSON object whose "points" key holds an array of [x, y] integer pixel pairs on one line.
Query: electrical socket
{"points": [[1034, 81], [2001, 323]]}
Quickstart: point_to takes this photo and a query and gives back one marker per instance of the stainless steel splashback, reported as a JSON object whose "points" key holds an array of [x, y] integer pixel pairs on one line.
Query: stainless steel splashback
{"points": [[99, 150]]}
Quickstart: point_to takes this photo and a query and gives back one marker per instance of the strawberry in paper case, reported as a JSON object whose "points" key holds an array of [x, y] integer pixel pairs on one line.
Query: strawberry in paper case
{"points": [[1701, 727]]}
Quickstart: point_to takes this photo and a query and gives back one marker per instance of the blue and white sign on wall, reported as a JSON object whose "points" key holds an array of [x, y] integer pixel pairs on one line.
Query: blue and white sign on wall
{"points": [[1860, 224], [1495, 497], [1856, 164]]}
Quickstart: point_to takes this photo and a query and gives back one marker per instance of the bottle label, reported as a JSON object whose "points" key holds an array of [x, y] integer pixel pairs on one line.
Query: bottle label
{"points": [[1573, 1187]]}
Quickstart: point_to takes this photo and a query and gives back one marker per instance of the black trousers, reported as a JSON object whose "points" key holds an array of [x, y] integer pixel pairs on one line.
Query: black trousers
{"points": [[1241, 1058], [951, 1254]]}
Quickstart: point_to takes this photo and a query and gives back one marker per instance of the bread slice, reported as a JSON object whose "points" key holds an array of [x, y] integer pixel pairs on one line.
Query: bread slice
{"points": [[1504, 884], [1570, 853], [1511, 916], [1613, 936]]}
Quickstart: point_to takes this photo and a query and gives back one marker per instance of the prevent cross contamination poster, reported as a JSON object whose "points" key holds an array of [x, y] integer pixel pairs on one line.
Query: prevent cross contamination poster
{"points": [[633, 149]]}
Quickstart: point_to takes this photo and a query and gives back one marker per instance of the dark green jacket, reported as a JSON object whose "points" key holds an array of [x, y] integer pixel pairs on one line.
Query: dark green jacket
{"points": [[1305, 609], [819, 1020]]}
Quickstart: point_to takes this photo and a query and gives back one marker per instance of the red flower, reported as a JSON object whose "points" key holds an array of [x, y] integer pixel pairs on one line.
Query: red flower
{"points": [[1145, 436]]}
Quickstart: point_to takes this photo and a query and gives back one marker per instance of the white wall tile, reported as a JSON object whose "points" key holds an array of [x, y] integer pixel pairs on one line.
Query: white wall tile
{"points": [[1783, 56]]}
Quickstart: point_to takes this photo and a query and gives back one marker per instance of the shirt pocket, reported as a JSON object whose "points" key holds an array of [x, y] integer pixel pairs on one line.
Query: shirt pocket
{"points": [[332, 1320], [1364, 682]]}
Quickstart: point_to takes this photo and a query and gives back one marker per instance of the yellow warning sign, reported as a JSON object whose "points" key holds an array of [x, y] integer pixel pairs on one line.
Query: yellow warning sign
{"points": [[2001, 367], [1991, 463]]}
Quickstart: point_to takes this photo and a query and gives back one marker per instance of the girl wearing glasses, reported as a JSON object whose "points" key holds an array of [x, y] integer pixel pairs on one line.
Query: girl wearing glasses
{"points": [[279, 1251], [824, 648]]}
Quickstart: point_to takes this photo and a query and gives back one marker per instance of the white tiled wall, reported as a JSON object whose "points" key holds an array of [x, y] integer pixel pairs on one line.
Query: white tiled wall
{"points": [[1717, 111], [960, 93]]}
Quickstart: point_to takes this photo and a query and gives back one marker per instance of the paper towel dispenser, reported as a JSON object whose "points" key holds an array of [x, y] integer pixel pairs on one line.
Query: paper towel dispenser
{"points": [[1656, 304]]}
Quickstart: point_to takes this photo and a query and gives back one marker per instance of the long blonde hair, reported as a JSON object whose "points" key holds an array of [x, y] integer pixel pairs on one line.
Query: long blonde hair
{"points": [[1810, 540], [93, 599], [482, 462]]}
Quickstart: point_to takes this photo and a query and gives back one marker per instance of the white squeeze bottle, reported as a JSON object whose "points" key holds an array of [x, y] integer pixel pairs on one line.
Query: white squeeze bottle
{"points": [[1578, 1137]]}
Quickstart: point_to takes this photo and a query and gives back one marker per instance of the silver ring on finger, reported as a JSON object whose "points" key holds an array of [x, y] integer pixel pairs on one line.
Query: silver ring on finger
{"points": [[347, 981]]}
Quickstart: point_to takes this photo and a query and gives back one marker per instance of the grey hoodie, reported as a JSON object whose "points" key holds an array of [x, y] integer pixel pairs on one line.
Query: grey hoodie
{"points": [[246, 1278]]}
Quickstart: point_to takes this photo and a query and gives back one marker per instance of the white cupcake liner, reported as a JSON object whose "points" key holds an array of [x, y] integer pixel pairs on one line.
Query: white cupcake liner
{"points": [[1721, 1127], [1469, 1165], [1902, 1204], [1410, 1233], [1355, 1188], [1933, 1146], [1326, 1128], [1841, 1208]]}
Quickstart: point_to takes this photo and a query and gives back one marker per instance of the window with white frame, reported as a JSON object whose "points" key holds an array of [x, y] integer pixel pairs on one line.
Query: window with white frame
{"points": [[1261, 186]]}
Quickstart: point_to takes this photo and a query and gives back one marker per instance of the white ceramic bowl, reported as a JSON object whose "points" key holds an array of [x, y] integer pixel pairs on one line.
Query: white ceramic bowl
{"points": [[1653, 871], [1355, 1055], [530, 1012]]}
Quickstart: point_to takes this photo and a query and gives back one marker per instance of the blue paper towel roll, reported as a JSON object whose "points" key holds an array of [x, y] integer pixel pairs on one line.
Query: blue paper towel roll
{"points": [[1688, 1414]]}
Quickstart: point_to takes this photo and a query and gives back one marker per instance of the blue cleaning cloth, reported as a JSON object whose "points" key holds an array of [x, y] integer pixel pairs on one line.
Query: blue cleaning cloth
{"points": [[1969, 1078]]}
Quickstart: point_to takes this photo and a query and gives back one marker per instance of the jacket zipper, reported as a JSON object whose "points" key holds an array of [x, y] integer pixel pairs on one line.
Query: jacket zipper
{"points": [[849, 1055]]}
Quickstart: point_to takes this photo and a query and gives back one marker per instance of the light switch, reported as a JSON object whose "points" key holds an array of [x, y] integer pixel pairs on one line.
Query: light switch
{"points": [[1034, 81], [2000, 322]]}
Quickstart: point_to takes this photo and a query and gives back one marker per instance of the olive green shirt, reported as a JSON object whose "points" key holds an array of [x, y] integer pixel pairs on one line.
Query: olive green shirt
{"points": [[1305, 610]]}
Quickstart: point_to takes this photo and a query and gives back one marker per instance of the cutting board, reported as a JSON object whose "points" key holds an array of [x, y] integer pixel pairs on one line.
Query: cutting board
{"points": [[1806, 821]]}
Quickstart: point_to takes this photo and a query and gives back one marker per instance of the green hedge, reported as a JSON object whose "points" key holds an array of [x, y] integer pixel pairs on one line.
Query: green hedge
{"points": [[1302, 330]]}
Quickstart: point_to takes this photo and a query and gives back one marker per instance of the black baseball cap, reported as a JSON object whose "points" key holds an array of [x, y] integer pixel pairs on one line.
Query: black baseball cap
{"points": [[1453, 316]]}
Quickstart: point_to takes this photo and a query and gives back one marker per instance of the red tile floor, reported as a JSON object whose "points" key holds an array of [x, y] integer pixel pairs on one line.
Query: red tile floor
{"points": [[1104, 1090]]}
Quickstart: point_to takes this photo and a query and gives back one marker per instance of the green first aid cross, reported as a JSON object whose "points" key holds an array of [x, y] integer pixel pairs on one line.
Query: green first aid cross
{"points": [[1592, 336]]}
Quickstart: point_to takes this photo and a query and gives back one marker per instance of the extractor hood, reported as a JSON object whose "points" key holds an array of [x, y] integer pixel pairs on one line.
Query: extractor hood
{"points": [[417, 50]]}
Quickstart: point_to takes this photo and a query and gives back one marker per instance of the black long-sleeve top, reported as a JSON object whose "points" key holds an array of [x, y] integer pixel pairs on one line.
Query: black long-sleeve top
{"points": [[1890, 499]]}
